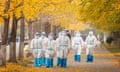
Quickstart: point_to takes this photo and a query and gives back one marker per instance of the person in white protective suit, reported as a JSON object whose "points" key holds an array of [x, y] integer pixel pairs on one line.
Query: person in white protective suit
{"points": [[64, 45], [50, 51], [77, 44], [44, 45], [36, 49], [91, 43], [58, 48]]}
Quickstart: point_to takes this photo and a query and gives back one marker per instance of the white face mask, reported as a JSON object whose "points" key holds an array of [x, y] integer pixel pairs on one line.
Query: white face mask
{"points": [[77, 35], [90, 34], [63, 34], [50, 37], [36, 36], [59, 35], [43, 36]]}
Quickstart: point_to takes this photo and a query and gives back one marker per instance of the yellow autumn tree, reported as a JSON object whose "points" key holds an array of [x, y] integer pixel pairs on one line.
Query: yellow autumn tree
{"points": [[102, 12], [9, 9]]}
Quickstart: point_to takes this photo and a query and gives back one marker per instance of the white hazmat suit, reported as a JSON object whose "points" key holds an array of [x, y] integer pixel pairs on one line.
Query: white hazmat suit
{"points": [[91, 43], [50, 51], [64, 45], [44, 45], [77, 44], [35, 45], [58, 48]]}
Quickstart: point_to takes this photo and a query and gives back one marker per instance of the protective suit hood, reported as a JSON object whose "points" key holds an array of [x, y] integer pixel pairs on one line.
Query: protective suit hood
{"points": [[50, 36], [63, 33], [60, 34], [36, 35], [90, 33], [77, 34], [43, 34]]}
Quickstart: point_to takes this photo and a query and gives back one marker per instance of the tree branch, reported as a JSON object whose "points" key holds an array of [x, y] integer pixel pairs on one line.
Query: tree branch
{"points": [[4, 17], [7, 6], [30, 21], [20, 4], [17, 6], [19, 18]]}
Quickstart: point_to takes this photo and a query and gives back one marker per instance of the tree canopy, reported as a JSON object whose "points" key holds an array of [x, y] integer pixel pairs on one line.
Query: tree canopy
{"points": [[102, 14], [70, 14]]}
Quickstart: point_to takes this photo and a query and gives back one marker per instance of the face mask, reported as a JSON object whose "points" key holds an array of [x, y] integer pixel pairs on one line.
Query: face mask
{"points": [[63, 34], [77, 35], [50, 37], [43, 36], [91, 35], [60, 35], [36, 36]]}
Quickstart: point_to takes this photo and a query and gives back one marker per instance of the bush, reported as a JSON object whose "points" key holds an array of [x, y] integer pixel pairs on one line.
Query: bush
{"points": [[109, 40]]}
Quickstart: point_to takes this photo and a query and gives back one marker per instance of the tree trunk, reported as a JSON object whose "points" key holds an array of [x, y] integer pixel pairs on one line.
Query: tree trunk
{"points": [[47, 28], [39, 26], [34, 29], [30, 29], [4, 42], [13, 40], [21, 46], [5, 35]]}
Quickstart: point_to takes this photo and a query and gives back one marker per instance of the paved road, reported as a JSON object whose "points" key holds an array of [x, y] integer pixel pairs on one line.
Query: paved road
{"points": [[103, 62]]}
